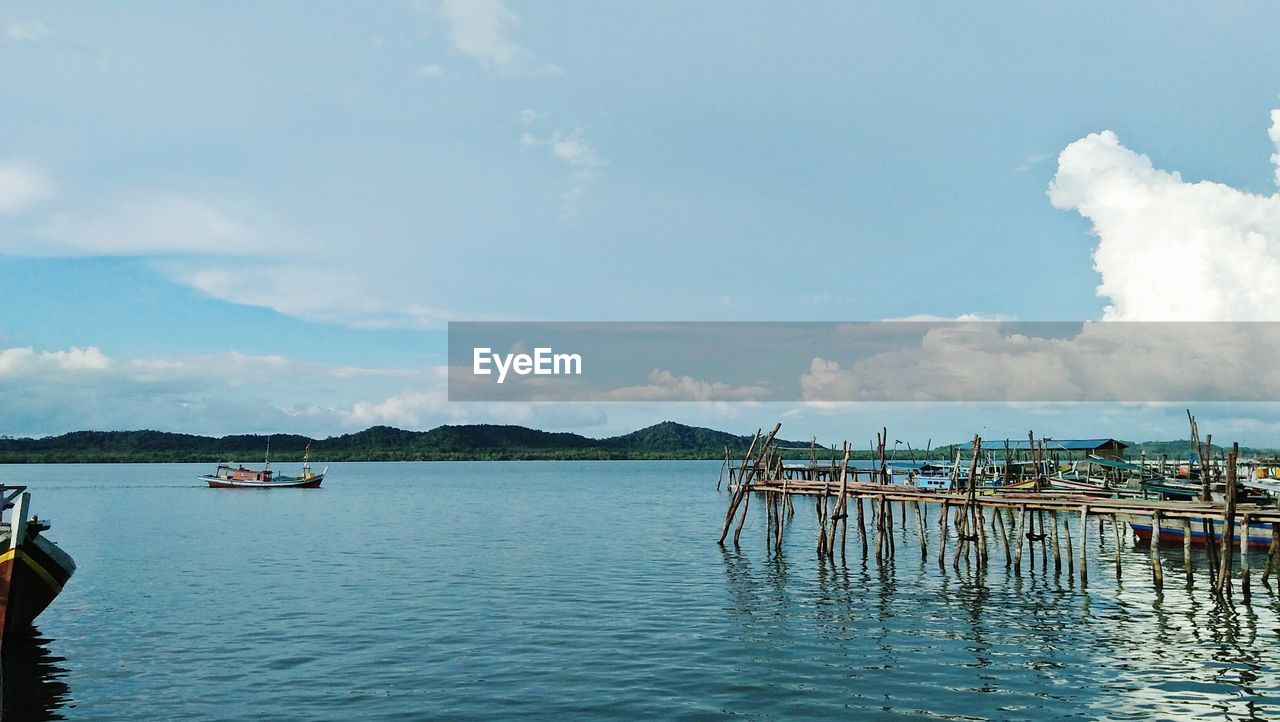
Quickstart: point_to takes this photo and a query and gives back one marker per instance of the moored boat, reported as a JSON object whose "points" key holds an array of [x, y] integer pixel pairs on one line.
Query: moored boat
{"points": [[33, 569], [1259, 533]]}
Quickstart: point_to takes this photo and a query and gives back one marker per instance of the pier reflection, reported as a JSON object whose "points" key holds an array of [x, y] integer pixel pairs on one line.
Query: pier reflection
{"points": [[34, 680], [1005, 643]]}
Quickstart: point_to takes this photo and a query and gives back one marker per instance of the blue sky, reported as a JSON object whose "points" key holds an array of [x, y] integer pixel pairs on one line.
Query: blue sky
{"points": [[259, 216]]}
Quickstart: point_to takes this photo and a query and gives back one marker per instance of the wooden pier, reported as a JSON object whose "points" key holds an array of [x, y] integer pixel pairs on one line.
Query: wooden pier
{"points": [[970, 522]]}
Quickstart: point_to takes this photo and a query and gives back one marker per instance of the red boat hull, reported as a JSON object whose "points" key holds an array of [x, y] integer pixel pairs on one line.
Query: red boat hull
{"points": [[30, 579]]}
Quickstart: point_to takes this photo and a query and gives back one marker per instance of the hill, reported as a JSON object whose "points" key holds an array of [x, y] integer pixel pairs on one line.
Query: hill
{"points": [[667, 440]]}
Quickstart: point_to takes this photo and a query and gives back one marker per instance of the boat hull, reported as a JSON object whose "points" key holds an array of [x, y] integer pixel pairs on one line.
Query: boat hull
{"points": [[31, 577], [1259, 534], [1074, 486], [302, 483]]}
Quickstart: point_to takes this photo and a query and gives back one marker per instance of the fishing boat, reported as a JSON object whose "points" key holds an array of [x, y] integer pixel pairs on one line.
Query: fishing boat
{"points": [[238, 477], [1259, 533], [1099, 476], [33, 569]]}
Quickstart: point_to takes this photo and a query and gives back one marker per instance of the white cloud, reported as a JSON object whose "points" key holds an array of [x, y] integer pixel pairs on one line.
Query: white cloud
{"points": [[47, 392], [1168, 249], [24, 362], [323, 293], [1097, 362], [481, 30], [26, 30], [528, 115], [579, 155], [666, 386], [430, 71], [152, 224], [231, 250], [22, 185]]}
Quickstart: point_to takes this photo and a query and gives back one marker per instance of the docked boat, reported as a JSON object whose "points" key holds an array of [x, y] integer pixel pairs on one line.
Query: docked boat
{"points": [[1101, 477], [33, 569], [238, 477], [1259, 533]]}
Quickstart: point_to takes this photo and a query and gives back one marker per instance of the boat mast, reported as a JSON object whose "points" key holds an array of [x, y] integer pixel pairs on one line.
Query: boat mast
{"points": [[266, 465]]}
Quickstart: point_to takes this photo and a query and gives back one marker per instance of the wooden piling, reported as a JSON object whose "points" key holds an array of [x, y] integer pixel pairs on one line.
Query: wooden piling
{"points": [[1084, 545], [1272, 552], [839, 512], [1157, 571], [1053, 537], [1066, 536], [924, 550], [1186, 550], [1244, 558], [741, 491], [942, 539], [1004, 536], [1115, 530], [1021, 537], [1228, 523]]}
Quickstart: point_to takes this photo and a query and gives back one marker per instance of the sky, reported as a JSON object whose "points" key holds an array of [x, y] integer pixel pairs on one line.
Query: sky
{"points": [[259, 217]]}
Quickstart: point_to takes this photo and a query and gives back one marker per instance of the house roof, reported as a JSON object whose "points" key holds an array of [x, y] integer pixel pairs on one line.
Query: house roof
{"points": [[1052, 444]]}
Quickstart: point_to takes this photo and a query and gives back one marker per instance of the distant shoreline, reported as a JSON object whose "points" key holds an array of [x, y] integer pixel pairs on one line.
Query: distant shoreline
{"points": [[667, 441]]}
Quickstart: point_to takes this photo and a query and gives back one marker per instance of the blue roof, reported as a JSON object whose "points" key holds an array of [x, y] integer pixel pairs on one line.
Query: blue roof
{"points": [[1050, 444]]}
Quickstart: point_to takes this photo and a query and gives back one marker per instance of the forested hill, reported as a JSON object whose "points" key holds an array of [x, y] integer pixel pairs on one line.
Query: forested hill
{"points": [[667, 440]]}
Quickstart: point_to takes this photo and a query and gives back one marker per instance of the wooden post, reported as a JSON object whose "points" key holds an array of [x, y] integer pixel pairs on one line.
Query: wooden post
{"points": [[1228, 522], [1186, 549], [1157, 571], [1044, 559], [1271, 552], [820, 506], [840, 502], [924, 551], [982, 536], [962, 528], [862, 526], [736, 497], [942, 540], [746, 503], [1021, 532], [1244, 558], [725, 465], [1115, 530], [1053, 537], [777, 540], [1004, 536], [1084, 545], [768, 517], [1066, 536]]}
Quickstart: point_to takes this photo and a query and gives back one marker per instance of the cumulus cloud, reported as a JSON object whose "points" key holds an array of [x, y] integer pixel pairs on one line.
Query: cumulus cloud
{"points": [[1169, 249], [1051, 362], [481, 30], [430, 71], [22, 185]]}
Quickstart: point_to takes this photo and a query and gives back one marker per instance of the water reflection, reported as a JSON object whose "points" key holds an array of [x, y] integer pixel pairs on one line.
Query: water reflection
{"points": [[1002, 643], [33, 680]]}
